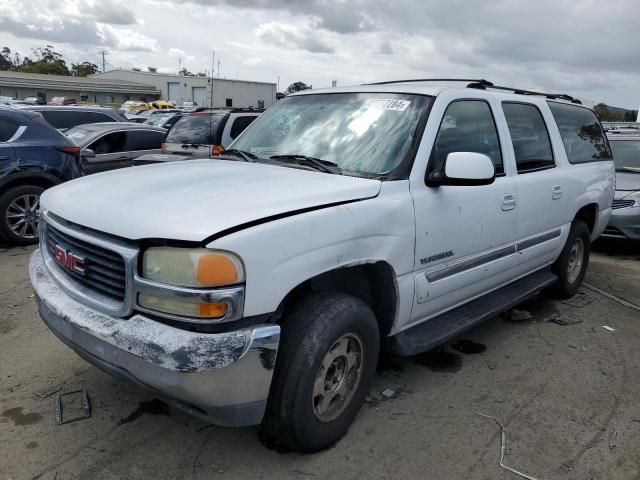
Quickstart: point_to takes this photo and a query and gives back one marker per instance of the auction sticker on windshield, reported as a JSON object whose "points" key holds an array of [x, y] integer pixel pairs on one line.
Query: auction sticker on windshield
{"points": [[387, 104]]}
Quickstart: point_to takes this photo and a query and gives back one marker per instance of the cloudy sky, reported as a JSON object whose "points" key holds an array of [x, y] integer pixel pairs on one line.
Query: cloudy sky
{"points": [[586, 48]]}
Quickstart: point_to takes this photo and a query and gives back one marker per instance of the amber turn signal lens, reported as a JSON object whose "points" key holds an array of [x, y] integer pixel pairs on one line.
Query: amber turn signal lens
{"points": [[213, 310], [217, 150], [216, 269]]}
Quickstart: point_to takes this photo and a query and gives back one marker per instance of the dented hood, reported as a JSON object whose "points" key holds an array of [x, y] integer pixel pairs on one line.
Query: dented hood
{"points": [[192, 200]]}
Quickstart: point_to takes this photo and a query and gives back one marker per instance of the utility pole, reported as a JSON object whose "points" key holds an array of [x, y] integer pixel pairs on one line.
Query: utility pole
{"points": [[179, 64], [213, 66], [218, 67], [104, 52]]}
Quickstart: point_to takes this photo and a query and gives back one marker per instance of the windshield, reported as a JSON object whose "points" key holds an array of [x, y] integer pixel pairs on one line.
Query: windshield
{"points": [[359, 132], [80, 135], [195, 129], [158, 119], [626, 154]]}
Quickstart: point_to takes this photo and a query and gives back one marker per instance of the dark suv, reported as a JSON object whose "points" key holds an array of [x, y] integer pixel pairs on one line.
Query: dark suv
{"points": [[64, 117], [33, 156], [208, 131]]}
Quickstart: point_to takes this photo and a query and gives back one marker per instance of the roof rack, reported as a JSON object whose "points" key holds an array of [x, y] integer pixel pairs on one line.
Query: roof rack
{"points": [[483, 84]]}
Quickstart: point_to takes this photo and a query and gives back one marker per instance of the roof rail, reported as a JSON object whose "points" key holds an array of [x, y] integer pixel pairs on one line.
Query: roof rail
{"points": [[483, 84]]}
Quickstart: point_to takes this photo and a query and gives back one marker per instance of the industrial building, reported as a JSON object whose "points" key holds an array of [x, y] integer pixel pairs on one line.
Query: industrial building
{"points": [[179, 88], [100, 90]]}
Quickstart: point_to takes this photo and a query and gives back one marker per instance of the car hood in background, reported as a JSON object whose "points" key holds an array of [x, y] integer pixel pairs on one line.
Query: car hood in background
{"points": [[627, 181], [192, 200]]}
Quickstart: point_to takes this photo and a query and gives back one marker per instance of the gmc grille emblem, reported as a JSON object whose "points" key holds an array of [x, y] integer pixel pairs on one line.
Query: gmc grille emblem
{"points": [[67, 260]]}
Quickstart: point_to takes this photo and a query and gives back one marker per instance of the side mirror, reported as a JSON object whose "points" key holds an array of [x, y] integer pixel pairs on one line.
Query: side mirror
{"points": [[464, 168], [87, 152]]}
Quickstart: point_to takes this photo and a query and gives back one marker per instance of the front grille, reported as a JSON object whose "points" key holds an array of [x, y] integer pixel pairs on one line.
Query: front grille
{"points": [[104, 270], [622, 204]]}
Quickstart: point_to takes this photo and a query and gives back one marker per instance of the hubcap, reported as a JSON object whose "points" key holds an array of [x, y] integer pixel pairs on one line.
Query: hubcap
{"points": [[338, 377], [576, 257], [22, 216]]}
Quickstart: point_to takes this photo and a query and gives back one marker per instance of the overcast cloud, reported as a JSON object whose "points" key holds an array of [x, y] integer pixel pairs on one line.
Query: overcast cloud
{"points": [[587, 48]]}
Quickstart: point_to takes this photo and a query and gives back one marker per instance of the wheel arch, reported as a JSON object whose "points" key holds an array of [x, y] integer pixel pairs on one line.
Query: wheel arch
{"points": [[589, 215], [40, 179]]}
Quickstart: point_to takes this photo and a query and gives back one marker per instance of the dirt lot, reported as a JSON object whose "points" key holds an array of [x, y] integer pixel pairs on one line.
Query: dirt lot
{"points": [[568, 396]]}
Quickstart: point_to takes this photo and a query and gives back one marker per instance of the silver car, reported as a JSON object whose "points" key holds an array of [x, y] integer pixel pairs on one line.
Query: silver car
{"points": [[625, 220]]}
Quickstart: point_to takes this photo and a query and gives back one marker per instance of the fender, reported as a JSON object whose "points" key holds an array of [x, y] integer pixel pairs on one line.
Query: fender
{"points": [[27, 176]]}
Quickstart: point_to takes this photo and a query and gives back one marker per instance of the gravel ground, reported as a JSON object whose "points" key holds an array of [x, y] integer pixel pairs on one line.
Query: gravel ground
{"points": [[567, 395]]}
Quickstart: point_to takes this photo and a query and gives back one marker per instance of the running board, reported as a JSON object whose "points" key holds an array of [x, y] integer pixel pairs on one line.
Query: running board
{"points": [[438, 330]]}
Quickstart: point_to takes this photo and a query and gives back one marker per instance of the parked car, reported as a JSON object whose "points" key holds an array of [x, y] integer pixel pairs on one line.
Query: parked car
{"points": [[625, 219], [35, 101], [65, 117], [207, 132], [165, 120], [135, 118], [259, 287], [62, 101], [107, 146], [33, 156]]}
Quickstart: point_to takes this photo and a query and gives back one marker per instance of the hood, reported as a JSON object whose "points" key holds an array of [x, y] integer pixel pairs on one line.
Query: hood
{"points": [[627, 181], [192, 200]]}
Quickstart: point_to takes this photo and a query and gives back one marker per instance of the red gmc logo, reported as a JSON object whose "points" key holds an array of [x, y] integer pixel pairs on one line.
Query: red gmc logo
{"points": [[68, 260]]}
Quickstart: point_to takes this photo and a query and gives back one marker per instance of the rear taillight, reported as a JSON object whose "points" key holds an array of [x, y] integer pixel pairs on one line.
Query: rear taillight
{"points": [[217, 150], [162, 148], [75, 151]]}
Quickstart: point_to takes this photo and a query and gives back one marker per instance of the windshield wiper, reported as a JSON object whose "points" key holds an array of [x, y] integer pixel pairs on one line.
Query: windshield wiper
{"points": [[246, 156], [317, 163]]}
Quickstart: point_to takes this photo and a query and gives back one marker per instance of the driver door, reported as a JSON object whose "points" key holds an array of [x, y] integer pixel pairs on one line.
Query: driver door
{"points": [[464, 234], [109, 154]]}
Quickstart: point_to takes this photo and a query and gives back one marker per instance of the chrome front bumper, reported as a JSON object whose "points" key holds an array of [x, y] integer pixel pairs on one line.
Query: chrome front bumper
{"points": [[624, 223], [223, 378]]}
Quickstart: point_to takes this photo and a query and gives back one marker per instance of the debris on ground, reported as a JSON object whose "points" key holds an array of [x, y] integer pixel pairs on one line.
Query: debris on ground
{"points": [[503, 447], [564, 320], [579, 300], [388, 393], [77, 400], [490, 365], [516, 316], [608, 328], [613, 439], [47, 392]]}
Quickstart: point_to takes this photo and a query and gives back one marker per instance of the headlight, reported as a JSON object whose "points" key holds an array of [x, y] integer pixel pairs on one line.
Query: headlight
{"points": [[192, 267], [195, 269], [635, 196]]}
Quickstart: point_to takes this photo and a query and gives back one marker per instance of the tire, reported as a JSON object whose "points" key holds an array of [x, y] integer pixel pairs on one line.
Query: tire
{"points": [[571, 266], [324, 325], [22, 197]]}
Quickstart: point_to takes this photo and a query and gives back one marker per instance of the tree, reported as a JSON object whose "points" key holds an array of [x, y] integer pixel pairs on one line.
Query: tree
{"points": [[602, 111], [297, 87], [47, 61], [83, 69], [185, 73], [6, 63]]}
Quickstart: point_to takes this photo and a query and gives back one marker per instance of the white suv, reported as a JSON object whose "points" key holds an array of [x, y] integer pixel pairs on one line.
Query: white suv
{"points": [[260, 287]]}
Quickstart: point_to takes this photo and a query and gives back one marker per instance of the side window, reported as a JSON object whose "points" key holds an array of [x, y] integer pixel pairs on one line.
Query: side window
{"points": [[467, 126], [58, 119], [240, 124], [80, 118], [529, 135], [7, 129], [144, 140], [581, 132], [111, 143]]}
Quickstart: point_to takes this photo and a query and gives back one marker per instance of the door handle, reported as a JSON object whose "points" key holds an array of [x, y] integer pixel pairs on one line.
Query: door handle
{"points": [[509, 202], [556, 192]]}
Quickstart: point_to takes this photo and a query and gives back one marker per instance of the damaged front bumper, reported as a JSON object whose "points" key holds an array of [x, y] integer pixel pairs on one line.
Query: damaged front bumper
{"points": [[223, 378]]}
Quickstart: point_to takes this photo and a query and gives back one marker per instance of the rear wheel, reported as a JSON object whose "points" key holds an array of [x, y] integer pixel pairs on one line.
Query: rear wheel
{"points": [[327, 360], [571, 266], [19, 214]]}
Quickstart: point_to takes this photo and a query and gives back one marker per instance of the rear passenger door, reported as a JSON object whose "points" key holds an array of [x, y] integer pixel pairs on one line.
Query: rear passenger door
{"points": [[109, 152], [142, 142], [540, 185], [8, 129]]}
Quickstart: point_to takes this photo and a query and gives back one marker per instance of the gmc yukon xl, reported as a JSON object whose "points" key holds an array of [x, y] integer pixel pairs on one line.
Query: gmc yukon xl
{"points": [[259, 287]]}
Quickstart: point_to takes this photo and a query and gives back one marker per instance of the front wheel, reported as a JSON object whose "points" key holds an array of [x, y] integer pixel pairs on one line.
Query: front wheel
{"points": [[327, 360], [571, 266], [19, 214]]}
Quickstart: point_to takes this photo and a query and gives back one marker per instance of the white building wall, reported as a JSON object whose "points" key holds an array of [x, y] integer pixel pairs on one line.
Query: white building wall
{"points": [[243, 93]]}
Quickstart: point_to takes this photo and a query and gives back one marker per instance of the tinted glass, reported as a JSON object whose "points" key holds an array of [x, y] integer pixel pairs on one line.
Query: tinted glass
{"points": [[111, 143], [7, 129], [80, 135], [626, 154], [144, 140], [196, 128], [467, 126], [529, 136], [68, 119], [582, 135], [361, 132], [240, 124]]}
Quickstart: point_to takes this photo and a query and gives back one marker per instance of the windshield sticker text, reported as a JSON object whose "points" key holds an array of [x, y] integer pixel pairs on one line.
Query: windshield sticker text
{"points": [[388, 104]]}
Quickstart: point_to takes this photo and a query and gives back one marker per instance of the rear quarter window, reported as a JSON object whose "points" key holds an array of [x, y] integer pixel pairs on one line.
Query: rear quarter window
{"points": [[7, 129], [240, 124], [582, 135]]}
